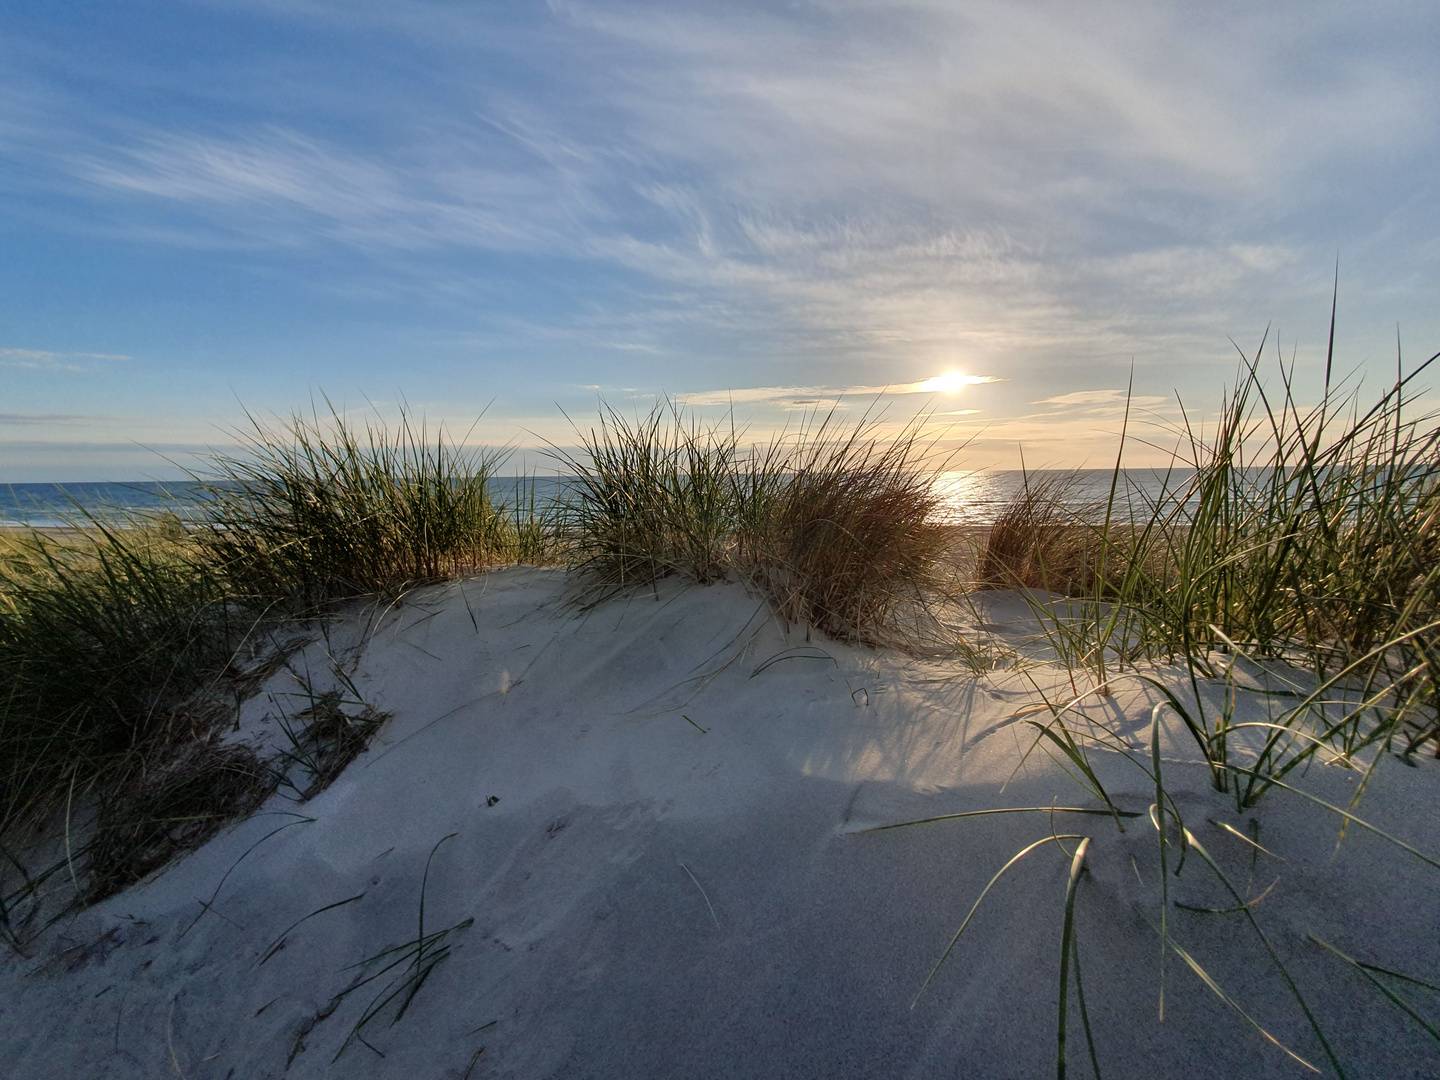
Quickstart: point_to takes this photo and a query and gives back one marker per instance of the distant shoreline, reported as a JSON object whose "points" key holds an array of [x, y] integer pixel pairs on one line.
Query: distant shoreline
{"points": [[969, 498]]}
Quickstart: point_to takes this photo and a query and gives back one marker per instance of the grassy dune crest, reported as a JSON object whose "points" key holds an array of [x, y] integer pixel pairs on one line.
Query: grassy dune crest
{"points": [[125, 650], [1294, 552]]}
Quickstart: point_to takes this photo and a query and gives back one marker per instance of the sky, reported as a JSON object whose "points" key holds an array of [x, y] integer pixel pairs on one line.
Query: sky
{"points": [[996, 214]]}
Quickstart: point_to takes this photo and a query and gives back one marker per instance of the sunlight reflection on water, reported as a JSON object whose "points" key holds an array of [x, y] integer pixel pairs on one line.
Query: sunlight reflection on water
{"points": [[978, 497]]}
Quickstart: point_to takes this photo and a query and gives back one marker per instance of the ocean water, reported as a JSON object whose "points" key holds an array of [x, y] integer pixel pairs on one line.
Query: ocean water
{"points": [[52, 505], [969, 498]]}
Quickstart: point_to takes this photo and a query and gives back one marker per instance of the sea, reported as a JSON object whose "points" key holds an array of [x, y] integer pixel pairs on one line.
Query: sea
{"points": [[968, 498]]}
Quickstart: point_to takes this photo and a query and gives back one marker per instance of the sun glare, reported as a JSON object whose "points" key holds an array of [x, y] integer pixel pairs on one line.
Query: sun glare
{"points": [[948, 383]]}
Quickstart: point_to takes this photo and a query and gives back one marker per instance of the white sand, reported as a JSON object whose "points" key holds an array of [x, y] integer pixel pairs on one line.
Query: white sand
{"points": [[650, 900]]}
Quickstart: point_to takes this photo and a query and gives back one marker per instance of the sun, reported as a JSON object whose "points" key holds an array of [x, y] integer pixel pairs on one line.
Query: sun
{"points": [[948, 383]]}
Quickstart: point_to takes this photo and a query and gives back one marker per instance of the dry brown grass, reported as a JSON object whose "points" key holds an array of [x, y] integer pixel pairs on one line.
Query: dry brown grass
{"points": [[838, 527], [1042, 541], [169, 810], [850, 542]]}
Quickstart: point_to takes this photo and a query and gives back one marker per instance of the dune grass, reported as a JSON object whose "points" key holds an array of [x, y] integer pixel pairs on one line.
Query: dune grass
{"points": [[125, 646], [1300, 546], [1175, 842], [1042, 540], [655, 496], [114, 649], [1296, 546], [846, 538], [837, 527], [105, 636], [1307, 538], [321, 509]]}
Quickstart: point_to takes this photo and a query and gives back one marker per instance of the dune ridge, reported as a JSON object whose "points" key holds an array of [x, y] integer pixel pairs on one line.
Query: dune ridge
{"points": [[641, 832]]}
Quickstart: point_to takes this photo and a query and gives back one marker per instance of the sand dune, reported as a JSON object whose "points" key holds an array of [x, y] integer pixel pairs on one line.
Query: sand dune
{"points": [[657, 864]]}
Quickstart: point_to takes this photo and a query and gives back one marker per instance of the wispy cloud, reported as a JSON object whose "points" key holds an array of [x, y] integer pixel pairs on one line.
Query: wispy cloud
{"points": [[269, 180], [839, 155], [54, 361], [811, 395], [55, 419], [1106, 399]]}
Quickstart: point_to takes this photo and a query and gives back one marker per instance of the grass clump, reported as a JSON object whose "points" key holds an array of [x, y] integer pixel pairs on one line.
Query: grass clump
{"points": [[838, 528], [323, 739], [845, 535], [106, 636], [173, 809], [1284, 539], [1042, 540], [1310, 531], [656, 496], [319, 510], [1298, 547], [114, 643]]}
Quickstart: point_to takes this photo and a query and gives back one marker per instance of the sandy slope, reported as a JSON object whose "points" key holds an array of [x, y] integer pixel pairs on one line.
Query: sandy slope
{"points": [[653, 900]]}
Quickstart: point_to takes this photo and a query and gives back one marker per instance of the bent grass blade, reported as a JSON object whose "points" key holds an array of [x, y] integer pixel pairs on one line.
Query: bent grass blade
{"points": [[981, 898], [705, 896], [1269, 948], [1358, 821], [279, 941], [1205, 977], [1005, 810], [1368, 969], [207, 905], [1069, 949]]}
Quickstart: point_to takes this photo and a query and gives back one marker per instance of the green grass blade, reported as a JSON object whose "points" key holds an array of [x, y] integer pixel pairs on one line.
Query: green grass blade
{"points": [[1269, 948], [1400, 1003], [980, 899], [274, 946], [1204, 976], [1084, 1012], [1005, 810], [1067, 948], [1075, 754], [1358, 821], [1159, 811]]}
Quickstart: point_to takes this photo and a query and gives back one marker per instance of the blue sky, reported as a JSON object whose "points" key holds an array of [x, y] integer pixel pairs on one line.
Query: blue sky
{"points": [[206, 207]]}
